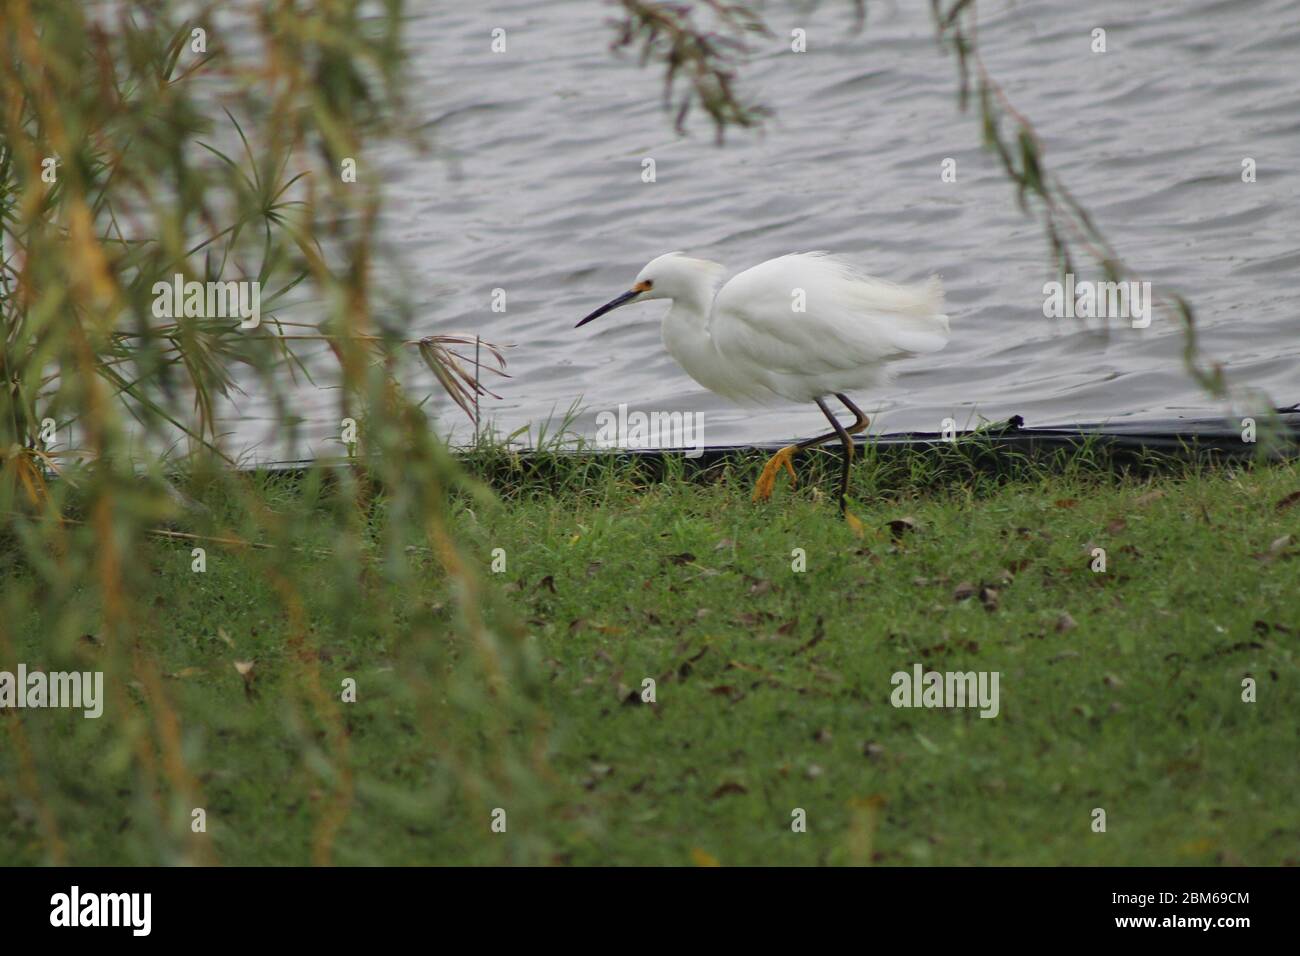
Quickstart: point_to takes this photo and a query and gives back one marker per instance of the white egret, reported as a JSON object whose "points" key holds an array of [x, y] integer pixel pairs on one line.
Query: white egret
{"points": [[797, 328]]}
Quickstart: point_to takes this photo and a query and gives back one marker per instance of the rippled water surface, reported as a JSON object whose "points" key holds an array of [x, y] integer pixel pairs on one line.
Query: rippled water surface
{"points": [[535, 187]]}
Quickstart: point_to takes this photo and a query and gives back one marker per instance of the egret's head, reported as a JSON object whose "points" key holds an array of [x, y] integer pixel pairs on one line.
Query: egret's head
{"points": [[670, 276]]}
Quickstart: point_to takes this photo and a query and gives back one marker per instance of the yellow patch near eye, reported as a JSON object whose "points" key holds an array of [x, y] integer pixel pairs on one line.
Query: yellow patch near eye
{"points": [[643, 286]]}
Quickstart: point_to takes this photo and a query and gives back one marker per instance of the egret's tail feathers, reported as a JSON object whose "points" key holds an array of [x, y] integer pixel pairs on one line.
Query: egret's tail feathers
{"points": [[913, 315], [910, 318], [933, 293]]}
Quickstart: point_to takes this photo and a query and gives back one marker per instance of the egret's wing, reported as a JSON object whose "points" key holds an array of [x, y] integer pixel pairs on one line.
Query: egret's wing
{"points": [[850, 322]]}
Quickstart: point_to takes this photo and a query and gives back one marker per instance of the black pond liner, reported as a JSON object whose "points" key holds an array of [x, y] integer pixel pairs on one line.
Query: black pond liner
{"points": [[1176, 439], [1148, 444]]}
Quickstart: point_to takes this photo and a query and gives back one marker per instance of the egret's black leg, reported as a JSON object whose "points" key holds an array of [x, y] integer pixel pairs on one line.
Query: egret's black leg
{"points": [[847, 441], [860, 421], [782, 459]]}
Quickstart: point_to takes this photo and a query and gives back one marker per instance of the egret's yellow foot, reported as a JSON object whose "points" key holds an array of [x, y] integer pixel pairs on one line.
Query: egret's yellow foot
{"points": [[767, 480]]}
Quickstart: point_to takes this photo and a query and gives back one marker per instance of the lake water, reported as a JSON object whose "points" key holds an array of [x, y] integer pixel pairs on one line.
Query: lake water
{"points": [[535, 188]]}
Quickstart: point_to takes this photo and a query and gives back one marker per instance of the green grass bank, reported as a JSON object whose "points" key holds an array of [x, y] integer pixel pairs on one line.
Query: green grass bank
{"points": [[1161, 690]]}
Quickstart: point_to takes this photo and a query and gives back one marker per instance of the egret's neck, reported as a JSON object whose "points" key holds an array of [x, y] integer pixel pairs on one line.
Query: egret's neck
{"points": [[694, 282], [694, 299], [686, 335]]}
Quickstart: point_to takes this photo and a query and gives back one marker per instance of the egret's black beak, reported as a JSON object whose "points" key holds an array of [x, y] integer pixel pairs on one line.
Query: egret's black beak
{"points": [[623, 299]]}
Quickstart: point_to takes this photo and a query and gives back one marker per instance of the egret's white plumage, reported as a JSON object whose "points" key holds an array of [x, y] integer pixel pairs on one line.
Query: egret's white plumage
{"points": [[751, 343], [798, 328]]}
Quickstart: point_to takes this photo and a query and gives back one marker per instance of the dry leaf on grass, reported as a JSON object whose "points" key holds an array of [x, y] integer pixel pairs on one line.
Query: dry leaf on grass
{"points": [[729, 788], [1279, 548], [819, 632], [1288, 501], [901, 526], [245, 669], [989, 598]]}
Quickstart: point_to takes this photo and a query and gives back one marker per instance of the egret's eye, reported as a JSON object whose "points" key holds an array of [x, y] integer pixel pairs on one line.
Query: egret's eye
{"points": [[645, 285]]}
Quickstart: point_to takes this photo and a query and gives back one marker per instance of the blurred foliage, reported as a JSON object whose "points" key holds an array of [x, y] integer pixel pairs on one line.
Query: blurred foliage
{"points": [[699, 63], [141, 140], [1011, 137]]}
